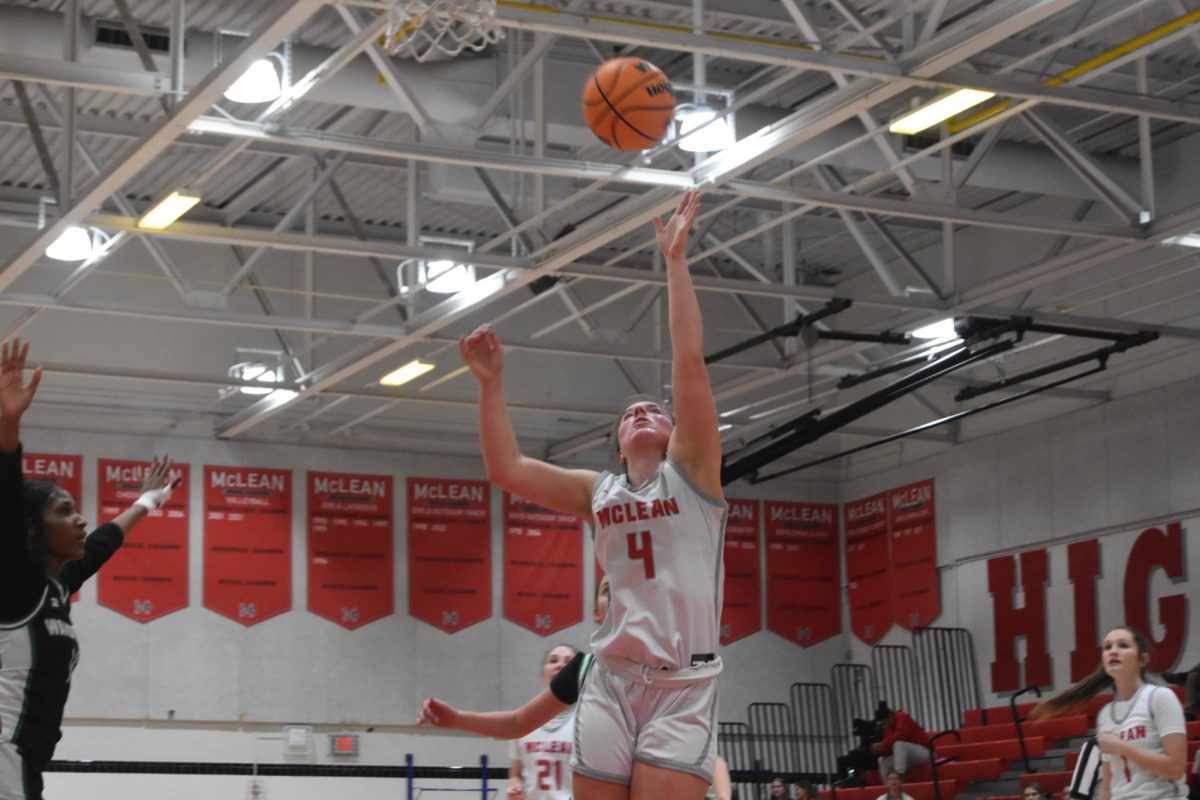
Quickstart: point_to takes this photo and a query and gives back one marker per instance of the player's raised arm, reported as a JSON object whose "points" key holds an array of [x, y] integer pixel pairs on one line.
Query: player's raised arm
{"points": [[565, 490], [695, 443]]}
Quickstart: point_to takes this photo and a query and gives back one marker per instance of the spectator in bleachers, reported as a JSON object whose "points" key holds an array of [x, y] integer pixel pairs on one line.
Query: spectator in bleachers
{"points": [[779, 787], [895, 788], [804, 791], [905, 743], [1190, 680], [1033, 791]]}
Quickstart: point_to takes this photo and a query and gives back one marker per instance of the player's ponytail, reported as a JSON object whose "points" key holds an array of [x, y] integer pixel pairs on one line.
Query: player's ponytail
{"points": [[1096, 682]]}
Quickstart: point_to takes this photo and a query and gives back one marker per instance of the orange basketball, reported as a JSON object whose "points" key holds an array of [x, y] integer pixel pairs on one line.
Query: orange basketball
{"points": [[628, 103]]}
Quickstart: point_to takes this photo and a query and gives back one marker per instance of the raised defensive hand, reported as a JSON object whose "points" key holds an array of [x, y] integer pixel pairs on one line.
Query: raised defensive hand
{"points": [[15, 394], [482, 352], [157, 484], [436, 713], [673, 236]]}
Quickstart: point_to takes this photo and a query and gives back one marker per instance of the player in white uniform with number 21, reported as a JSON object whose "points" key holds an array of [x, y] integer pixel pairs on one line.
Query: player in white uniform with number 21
{"points": [[645, 725]]}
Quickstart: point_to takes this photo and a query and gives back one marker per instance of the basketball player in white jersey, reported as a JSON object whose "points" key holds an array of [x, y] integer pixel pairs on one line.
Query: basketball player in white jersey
{"points": [[541, 760], [1141, 733], [646, 722]]}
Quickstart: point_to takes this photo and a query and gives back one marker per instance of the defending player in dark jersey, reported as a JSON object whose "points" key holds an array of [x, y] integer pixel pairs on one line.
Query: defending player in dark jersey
{"points": [[44, 558]]}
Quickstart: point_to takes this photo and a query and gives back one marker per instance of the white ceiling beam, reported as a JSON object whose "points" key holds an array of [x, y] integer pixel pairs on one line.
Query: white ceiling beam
{"points": [[280, 19]]}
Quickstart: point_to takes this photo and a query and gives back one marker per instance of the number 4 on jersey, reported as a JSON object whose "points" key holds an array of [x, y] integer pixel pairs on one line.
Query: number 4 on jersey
{"points": [[641, 546]]}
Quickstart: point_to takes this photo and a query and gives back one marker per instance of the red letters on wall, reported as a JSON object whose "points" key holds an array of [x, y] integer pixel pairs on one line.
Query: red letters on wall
{"points": [[1152, 550], [1028, 621], [1083, 567]]}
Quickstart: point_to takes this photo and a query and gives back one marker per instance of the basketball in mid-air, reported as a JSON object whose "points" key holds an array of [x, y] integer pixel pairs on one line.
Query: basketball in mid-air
{"points": [[628, 103]]}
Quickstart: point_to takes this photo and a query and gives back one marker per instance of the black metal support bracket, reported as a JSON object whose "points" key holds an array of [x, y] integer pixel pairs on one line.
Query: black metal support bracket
{"points": [[1017, 720]]}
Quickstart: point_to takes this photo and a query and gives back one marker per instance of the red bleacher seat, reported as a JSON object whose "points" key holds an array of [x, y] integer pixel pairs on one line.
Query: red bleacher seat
{"points": [[1035, 746], [984, 769], [1052, 729], [1051, 782]]}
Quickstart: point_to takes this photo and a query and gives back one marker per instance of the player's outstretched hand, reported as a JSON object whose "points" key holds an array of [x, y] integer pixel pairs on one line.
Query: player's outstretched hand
{"points": [[482, 353], [15, 393], [437, 713], [673, 236]]}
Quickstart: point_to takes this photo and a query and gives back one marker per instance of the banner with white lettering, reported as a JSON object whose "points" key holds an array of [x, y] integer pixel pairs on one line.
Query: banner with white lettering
{"points": [[803, 575], [741, 614], [148, 577], [449, 552], [543, 567], [868, 579], [247, 542], [350, 548], [64, 471], [916, 592]]}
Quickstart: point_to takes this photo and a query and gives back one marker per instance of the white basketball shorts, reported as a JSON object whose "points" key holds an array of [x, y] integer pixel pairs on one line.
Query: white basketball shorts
{"points": [[620, 718]]}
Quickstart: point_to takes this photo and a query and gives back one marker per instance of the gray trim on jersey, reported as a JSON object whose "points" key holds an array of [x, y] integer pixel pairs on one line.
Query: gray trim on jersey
{"points": [[12, 626], [692, 484]]}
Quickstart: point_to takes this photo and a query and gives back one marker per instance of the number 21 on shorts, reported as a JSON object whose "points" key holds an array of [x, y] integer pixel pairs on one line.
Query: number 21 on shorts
{"points": [[641, 548]]}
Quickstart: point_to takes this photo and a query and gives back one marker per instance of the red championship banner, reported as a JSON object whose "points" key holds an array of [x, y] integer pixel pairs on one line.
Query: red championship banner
{"points": [[868, 580], [148, 576], [350, 550], [543, 567], [247, 542], [803, 575], [64, 471], [449, 552], [741, 614], [916, 593]]}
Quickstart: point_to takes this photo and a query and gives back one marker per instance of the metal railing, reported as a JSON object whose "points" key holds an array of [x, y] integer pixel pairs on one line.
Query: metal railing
{"points": [[774, 737], [949, 681], [855, 694], [735, 742], [896, 670], [817, 728], [1018, 719]]}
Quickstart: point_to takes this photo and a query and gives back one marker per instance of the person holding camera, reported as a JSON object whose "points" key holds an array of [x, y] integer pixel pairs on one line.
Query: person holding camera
{"points": [[905, 743]]}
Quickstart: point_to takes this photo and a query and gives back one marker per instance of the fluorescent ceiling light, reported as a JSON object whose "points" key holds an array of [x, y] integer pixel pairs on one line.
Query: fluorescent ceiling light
{"points": [[1186, 240], [169, 209], [942, 329], [939, 110], [256, 372], [75, 244], [410, 371], [258, 84], [701, 132], [446, 277]]}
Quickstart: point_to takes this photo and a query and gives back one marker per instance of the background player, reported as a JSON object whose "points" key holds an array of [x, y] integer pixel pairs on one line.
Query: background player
{"points": [[541, 760]]}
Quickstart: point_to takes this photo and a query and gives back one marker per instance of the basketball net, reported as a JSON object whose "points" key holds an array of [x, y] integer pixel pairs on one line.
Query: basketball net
{"points": [[424, 29]]}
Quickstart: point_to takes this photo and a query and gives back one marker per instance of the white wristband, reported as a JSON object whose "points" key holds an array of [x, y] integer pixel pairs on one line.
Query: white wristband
{"points": [[153, 499]]}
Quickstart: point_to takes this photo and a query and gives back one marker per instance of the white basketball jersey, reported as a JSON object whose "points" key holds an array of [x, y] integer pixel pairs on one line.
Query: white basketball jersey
{"points": [[1139, 727], [662, 546], [545, 757]]}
